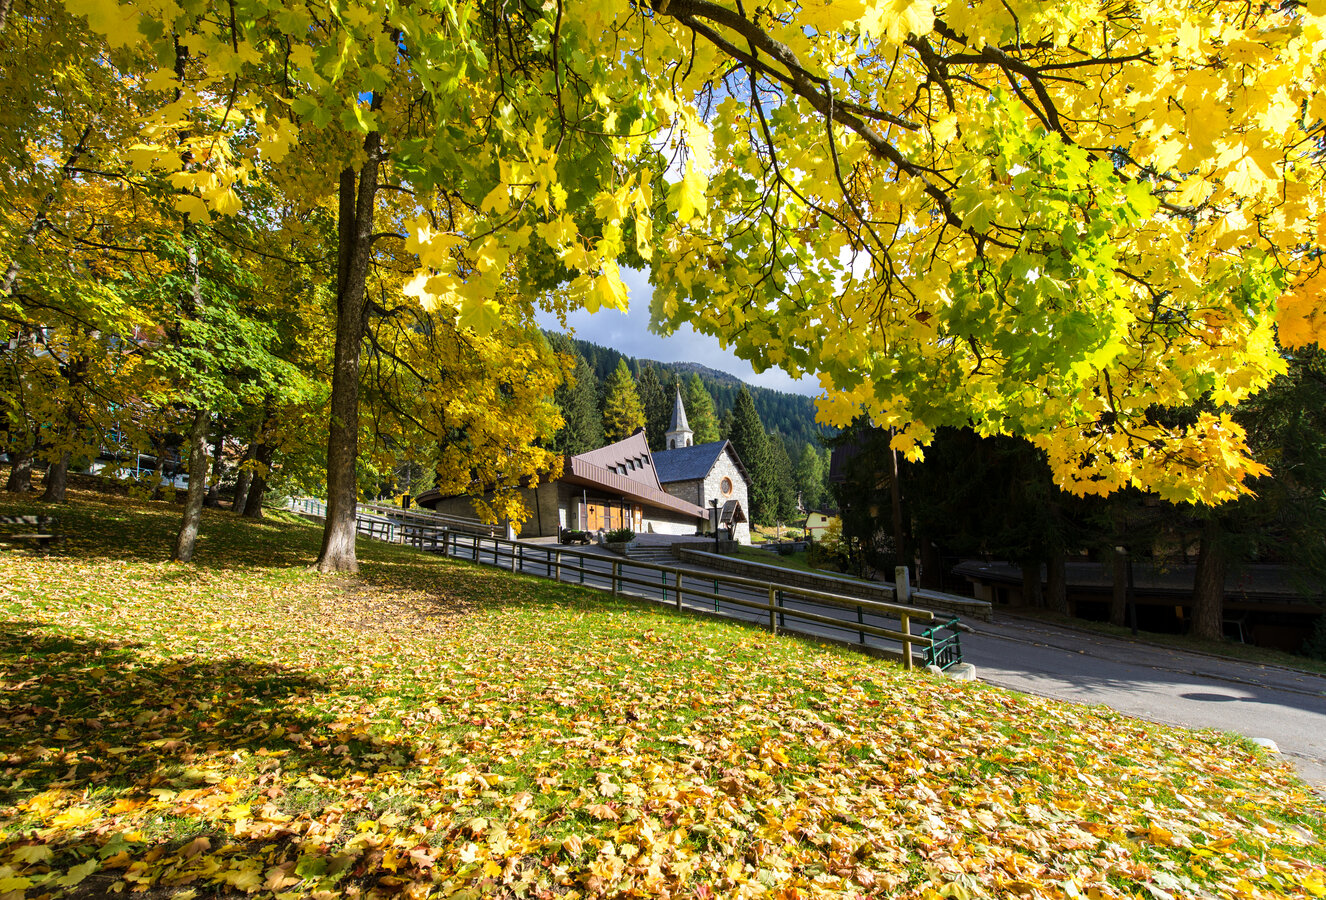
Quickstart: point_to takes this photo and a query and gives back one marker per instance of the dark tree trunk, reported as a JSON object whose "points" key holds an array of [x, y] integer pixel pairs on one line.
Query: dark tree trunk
{"points": [[213, 498], [901, 547], [242, 481], [1031, 585], [1208, 590], [193, 505], [1056, 582], [1119, 587], [20, 471], [932, 564], [355, 227], [258, 486], [57, 480]]}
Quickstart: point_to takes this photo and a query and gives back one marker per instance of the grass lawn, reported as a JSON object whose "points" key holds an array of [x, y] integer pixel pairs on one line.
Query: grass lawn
{"points": [[431, 728], [796, 561]]}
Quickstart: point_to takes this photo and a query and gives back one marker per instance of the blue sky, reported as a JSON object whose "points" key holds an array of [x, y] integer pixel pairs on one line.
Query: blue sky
{"points": [[630, 334]]}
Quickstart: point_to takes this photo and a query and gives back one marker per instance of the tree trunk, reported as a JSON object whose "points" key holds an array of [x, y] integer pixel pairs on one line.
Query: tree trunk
{"points": [[1208, 590], [1056, 582], [213, 498], [57, 480], [902, 550], [932, 564], [1031, 585], [159, 451], [193, 505], [355, 227], [20, 471], [258, 486], [1119, 593], [242, 481]]}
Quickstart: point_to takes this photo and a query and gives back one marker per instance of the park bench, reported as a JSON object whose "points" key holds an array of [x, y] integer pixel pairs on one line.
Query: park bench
{"points": [[945, 651], [42, 537]]}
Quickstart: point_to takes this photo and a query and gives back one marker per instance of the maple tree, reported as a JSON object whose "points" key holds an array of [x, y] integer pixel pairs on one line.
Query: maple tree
{"points": [[1045, 221]]}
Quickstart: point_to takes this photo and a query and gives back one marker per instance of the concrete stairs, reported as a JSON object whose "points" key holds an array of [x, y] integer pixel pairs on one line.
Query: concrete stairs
{"points": [[659, 554]]}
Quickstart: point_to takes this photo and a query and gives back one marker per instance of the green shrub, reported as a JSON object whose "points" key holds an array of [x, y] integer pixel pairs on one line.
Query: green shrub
{"points": [[619, 536]]}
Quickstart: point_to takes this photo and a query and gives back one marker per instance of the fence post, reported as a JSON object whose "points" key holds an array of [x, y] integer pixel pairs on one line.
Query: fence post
{"points": [[715, 595], [557, 565], [616, 567], [902, 585], [782, 619], [773, 616], [679, 590], [663, 579], [906, 628], [520, 557], [860, 620], [582, 568]]}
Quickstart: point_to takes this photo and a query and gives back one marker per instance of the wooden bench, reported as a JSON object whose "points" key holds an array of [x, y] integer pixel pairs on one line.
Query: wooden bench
{"points": [[41, 538]]}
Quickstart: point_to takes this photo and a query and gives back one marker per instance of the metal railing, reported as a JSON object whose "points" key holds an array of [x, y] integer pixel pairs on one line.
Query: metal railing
{"points": [[682, 588], [770, 602]]}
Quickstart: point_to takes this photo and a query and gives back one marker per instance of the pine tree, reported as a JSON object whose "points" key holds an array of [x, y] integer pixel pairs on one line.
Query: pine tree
{"points": [[810, 477], [622, 413], [700, 410], [783, 483], [577, 398], [752, 445], [657, 404]]}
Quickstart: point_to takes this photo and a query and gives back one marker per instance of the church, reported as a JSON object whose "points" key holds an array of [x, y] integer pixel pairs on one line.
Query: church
{"points": [[626, 485]]}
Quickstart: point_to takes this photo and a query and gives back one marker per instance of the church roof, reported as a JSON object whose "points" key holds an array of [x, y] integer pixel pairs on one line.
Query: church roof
{"points": [[679, 422], [628, 457], [690, 463]]}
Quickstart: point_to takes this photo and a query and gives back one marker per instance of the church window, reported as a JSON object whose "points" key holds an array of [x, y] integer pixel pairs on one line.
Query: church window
{"points": [[726, 486]]}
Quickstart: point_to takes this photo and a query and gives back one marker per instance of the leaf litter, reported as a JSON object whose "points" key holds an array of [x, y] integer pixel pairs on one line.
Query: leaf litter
{"points": [[433, 729]]}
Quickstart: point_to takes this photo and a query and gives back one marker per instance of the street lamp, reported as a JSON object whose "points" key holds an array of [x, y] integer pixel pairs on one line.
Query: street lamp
{"points": [[713, 515]]}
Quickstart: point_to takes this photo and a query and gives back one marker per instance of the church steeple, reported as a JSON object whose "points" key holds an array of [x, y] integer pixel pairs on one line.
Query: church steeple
{"points": [[679, 433]]}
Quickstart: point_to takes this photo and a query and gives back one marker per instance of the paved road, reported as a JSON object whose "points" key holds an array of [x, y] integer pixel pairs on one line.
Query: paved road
{"points": [[1175, 687], [1169, 686]]}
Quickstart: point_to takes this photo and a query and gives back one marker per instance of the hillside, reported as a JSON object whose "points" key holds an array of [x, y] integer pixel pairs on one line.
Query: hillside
{"points": [[429, 728], [790, 415]]}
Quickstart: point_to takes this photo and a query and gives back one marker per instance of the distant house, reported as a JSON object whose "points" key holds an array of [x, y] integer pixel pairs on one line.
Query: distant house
{"points": [[817, 523]]}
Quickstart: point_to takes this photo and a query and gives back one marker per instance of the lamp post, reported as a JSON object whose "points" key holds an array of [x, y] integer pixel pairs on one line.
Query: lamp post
{"points": [[713, 515]]}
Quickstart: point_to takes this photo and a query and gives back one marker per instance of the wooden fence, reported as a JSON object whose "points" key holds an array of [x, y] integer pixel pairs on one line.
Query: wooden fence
{"points": [[775, 603]]}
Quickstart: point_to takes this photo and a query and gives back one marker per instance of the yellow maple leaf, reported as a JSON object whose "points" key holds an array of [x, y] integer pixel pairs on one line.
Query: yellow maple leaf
{"points": [[1300, 314], [895, 20]]}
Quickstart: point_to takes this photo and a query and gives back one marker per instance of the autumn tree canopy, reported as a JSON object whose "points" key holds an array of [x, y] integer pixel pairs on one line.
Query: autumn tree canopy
{"points": [[1045, 220]]}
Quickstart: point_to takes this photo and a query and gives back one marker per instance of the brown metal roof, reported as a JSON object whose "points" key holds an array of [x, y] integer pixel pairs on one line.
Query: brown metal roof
{"points": [[630, 453], [578, 470]]}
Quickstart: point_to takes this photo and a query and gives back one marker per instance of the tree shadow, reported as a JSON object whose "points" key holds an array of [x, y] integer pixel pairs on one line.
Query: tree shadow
{"points": [[100, 717]]}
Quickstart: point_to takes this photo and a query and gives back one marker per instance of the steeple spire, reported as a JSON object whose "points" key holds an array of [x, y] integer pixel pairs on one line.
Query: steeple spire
{"points": [[679, 433]]}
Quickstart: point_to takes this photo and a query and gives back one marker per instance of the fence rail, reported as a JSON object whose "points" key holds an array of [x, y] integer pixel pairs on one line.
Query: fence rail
{"points": [[771, 602]]}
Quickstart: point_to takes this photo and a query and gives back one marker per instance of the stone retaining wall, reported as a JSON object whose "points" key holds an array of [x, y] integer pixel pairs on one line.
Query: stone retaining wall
{"points": [[830, 584]]}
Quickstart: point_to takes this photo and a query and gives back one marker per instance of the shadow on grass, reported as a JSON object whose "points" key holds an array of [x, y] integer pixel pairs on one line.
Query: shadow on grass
{"points": [[95, 525], [94, 716]]}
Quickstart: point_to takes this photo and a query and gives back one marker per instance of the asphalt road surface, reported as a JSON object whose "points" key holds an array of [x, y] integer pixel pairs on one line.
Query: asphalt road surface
{"points": [[1173, 687]]}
